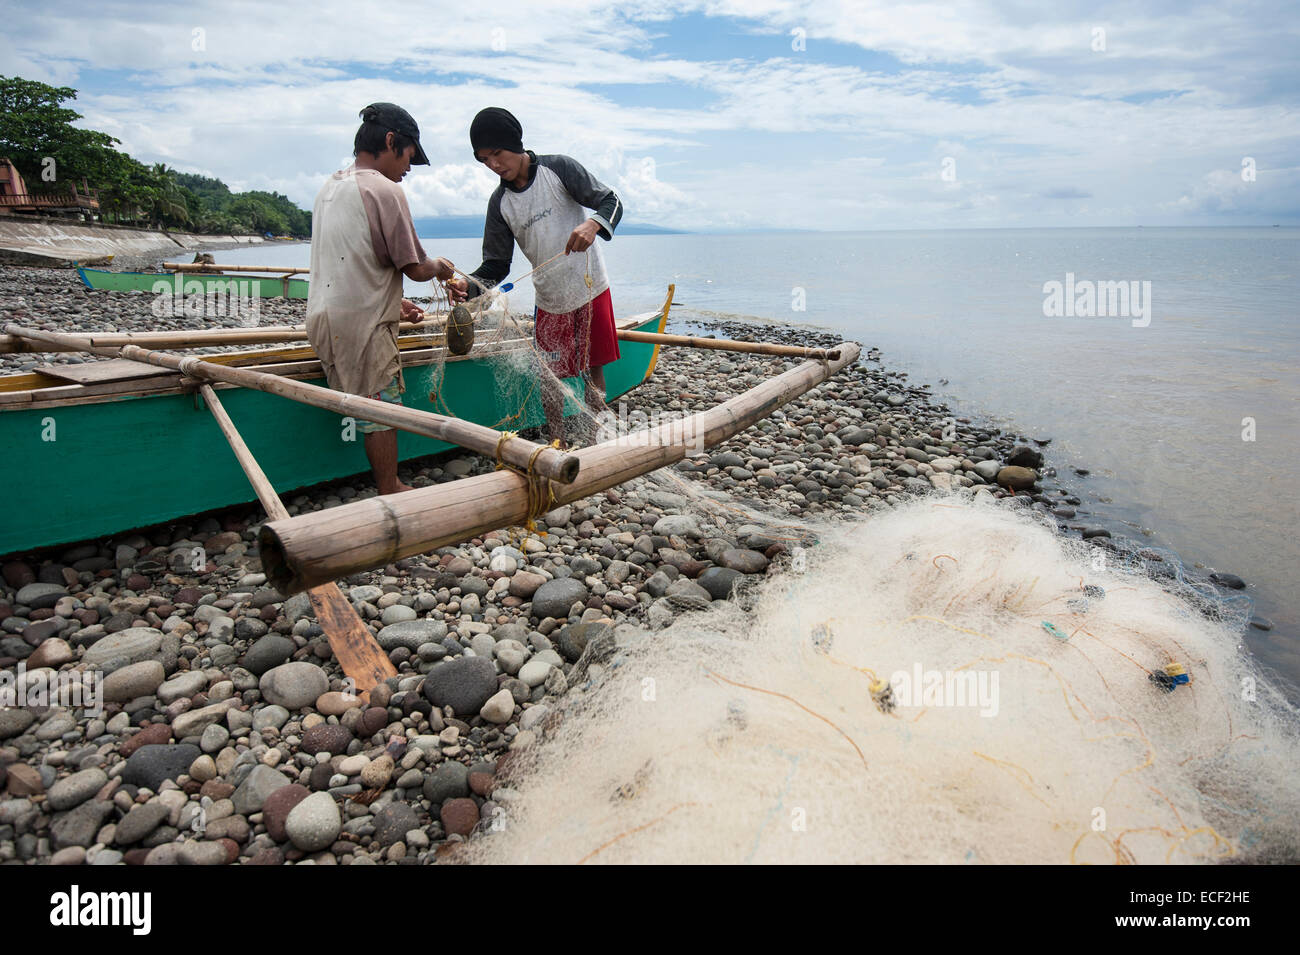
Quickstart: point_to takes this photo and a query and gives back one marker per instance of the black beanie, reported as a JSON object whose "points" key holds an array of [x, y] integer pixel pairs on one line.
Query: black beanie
{"points": [[495, 128]]}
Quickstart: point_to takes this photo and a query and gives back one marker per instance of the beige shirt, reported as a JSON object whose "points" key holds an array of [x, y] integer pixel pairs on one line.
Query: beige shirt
{"points": [[362, 237]]}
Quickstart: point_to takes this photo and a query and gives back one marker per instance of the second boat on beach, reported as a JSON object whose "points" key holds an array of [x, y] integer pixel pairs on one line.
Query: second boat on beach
{"points": [[182, 282]]}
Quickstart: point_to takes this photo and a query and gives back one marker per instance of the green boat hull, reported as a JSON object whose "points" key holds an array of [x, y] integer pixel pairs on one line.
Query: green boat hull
{"points": [[81, 471], [179, 287]]}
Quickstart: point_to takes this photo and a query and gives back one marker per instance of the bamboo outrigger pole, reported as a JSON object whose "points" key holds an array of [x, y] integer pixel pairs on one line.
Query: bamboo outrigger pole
{"points": [[551, 463], [724, 344], [266, 334], [355, 649], [209, 269], [303, 551]]}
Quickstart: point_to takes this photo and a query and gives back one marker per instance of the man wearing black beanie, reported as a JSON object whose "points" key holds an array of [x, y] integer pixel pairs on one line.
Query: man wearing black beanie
{"points": [[495, 128], [541, 203]]}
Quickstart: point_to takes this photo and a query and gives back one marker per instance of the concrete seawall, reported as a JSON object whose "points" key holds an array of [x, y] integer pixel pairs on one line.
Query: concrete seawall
{"points": [[53, 244]]}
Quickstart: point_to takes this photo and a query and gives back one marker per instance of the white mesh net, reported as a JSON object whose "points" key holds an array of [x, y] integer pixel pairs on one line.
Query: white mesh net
{"points": [[1031, 719]]}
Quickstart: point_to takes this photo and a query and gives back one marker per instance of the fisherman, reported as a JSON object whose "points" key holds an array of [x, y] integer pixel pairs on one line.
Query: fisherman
{"points": [[541, 203], [362, 242]]}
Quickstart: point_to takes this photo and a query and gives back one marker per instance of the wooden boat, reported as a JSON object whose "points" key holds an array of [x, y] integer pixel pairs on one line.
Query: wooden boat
{"points": [[180, 284], [97, 448]]}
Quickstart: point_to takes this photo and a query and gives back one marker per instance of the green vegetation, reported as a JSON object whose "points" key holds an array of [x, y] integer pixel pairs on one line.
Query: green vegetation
{"points": [[35, 127]]}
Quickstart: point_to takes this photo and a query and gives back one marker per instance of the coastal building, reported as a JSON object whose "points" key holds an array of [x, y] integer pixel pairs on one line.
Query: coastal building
{"points": [[15, 199]]}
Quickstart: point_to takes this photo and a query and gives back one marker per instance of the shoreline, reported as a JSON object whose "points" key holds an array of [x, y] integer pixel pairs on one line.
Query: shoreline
{"points": [[51, 243], [213, 661]]}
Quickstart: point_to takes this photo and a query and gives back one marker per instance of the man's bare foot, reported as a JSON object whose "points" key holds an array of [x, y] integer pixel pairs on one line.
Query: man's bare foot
{"points": [[398, 489]]}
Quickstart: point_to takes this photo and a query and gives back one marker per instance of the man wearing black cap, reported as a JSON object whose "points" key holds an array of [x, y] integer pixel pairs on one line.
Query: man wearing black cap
{"points": [[362, 242], [541, 203]]}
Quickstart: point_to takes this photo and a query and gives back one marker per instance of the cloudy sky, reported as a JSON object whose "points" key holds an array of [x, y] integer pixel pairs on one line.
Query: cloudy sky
{"points": [[722, 114]]}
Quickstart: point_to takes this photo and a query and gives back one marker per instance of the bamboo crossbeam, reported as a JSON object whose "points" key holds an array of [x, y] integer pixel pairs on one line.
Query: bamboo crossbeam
{"points": [[554, 464], [266, 494], [723, 344], [358, 654], [303, 551], [204, 338], [210, 269]]}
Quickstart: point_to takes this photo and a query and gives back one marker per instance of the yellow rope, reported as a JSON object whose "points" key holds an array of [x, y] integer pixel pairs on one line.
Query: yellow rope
{"points": [[541, 494], [505, 436]]}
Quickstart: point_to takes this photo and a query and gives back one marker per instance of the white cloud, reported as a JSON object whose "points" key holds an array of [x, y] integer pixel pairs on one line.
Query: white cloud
{"points": [[1015, 93], [1224, 192]]}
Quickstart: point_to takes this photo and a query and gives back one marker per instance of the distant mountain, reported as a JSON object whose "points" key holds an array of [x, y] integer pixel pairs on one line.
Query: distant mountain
{"points": [[471, 227], [449, 227], [638, 228]]}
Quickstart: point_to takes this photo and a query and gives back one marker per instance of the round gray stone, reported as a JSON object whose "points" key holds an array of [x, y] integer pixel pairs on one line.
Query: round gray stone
{"points": [[14, 721], [139, 822], [134, 681], [214, 738], [411, 634], [79, 826], [555, 597], [464, 684], [679, 525], [449, 781], [511, 655], [75, 789], [571, 641], [314, 823], [40, 596], [856, 436], [294, 685], [268, 652], [398, 613], [149, 765], [719, 581], [745, 561], [123, 648], [535, 672], [181, 686], [272, 715], [251, 795]]}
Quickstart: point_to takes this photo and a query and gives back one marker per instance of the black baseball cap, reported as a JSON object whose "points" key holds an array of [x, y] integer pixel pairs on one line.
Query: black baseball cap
{"points": [[393, 117]]}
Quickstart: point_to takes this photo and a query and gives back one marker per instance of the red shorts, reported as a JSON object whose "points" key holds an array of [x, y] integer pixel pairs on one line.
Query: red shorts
{"points": [[575, 341]]}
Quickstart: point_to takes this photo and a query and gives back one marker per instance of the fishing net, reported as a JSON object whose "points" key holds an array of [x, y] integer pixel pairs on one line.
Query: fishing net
{"points": [[523, 374], [947, 681]]}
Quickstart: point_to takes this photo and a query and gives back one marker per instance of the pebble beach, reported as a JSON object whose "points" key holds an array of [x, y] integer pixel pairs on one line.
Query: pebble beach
{"points": [[228, 733]]}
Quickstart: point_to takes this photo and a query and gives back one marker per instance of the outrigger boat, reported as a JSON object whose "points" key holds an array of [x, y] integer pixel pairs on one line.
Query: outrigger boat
{"points": [[186, 279], [138, 439], [94, 448]]}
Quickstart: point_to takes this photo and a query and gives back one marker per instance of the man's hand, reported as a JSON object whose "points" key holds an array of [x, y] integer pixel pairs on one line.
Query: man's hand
{"points": [[457, 289], [410, 311], [580, 239], [443, 270]]}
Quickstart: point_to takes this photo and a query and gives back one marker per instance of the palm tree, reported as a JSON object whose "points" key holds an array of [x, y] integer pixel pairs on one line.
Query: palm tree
{"points": [[167, 200]]}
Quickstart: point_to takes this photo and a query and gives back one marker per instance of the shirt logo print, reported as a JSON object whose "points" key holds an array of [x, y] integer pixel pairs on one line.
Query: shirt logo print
{"points": [[536, 218]]}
